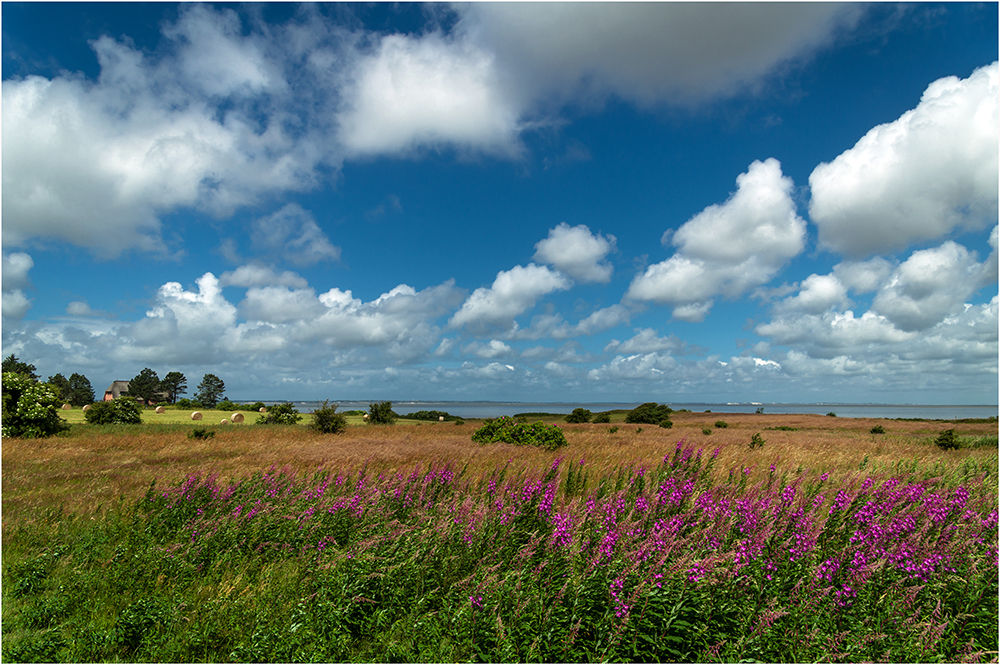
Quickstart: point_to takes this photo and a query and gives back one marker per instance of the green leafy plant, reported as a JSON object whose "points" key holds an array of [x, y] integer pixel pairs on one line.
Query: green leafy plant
{"points": [[30, 409], [756, 441], [721, 424], [211, 391], [327, 420], [579, 415], [602, 418], [832, 414], [878, 429], [706, 430], [613, 429], [381, 413], [201, 433], [121, 411], [506, 430], [280, 414]]}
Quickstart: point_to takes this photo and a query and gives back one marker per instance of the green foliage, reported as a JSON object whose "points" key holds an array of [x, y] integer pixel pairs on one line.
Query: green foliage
{"points": [[81, 392], [649, 413], [280, 414], [60, 385], [12, 364], [507, 430], [201, 433], [602, 418], [30, 408], [706, 430], [144, 386], [756, 441], [878, 429], [211, 391], [947, 440], [174, 384], [721, 424], [579, 415], [327, 420], [613, 429], [185, 403], [354, 412], [759, 410], [427, 415], [832, 414], [783, 428], [226, 405], [381, 413], [122, 411]]}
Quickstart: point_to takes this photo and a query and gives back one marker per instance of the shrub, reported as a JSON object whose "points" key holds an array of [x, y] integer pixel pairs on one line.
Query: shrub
{"points": [[201, 433], [878, 429], [434, 416], [381, 413], [580, 415], [947, 440], [756, 441], [649, 413], [184, 403], [256, 406], [122, 411], [721, 424], [706, 430], [279, 414], [832, 414], [30, 409], [602, 418], [327, 420], [506, 430], [613, 429], [226, 405]]}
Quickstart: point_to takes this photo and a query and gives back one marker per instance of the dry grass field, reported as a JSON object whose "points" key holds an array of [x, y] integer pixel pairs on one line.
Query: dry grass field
{"points": [[96, 466]]}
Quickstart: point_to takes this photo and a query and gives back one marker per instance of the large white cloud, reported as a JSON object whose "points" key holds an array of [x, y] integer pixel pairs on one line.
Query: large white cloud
{"points": [[917, 178], [577, 252], [15, 303], [730, 248], [429, 91], [513, 292]]}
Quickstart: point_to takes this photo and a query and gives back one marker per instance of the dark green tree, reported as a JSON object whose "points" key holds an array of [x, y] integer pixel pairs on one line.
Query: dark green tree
{"points": [[81, 392], [12, 364], [144, 386], [174, 384], [61, 386], [580, 415], [650, 413], [211, 391], [327, 420], [381, 413]]}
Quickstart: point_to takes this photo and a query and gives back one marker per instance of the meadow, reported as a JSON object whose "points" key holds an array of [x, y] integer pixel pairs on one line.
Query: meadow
{"points": [[413, 543]]}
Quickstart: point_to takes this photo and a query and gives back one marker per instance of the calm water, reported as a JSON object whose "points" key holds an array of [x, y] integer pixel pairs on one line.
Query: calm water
{"points": [[494, 409]]}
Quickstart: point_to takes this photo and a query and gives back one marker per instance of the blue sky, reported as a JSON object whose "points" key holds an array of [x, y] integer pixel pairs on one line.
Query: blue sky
{"points": [[566, 202]]}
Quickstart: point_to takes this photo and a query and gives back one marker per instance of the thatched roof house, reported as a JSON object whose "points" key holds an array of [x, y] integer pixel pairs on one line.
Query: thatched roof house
{"points": [[115, 390]]}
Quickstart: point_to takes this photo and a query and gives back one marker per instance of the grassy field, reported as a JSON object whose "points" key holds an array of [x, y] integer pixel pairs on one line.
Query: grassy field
{"points": [[412, 543]]}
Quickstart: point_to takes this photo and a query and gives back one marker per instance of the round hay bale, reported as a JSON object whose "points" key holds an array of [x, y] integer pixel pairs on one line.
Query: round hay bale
{"points": [[67, 407], [196, 415], [224, 422], [365, 416], [440, 419], [237, 417], [160, 409], [86, 408], [262, 409]]}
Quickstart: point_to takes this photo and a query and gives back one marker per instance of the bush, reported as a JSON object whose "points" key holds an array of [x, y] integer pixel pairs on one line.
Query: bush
{"points": [[256, 406], [226, 405], [506, 430], [279, 414], [427, 415], [756, 441], [201, 433], [381, 413], [649, 413], [327, 420], [832, 414], [579, 416], [706, 430], [122, 411], [602, 418], [878, 429], [947, 440], [184, 403], [721, 424], [30, 409]]}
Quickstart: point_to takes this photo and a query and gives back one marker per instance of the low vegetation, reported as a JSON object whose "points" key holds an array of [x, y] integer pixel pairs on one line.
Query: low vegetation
{"points": [[508, 430]]}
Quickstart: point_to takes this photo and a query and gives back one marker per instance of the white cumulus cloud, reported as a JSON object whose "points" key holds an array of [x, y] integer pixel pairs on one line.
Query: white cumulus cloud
{"points": [[730, 248], [932, 170], [513, 292], [577, 252]]}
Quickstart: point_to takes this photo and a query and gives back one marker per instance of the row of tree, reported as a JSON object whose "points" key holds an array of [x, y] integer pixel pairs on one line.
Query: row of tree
{"points": [[145, 386]]}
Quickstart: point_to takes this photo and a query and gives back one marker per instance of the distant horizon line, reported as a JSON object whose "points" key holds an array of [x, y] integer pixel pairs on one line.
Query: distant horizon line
{"points": [[565, 403]]}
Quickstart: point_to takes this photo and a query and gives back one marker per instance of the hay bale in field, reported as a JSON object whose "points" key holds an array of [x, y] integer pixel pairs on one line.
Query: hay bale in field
{"points": [[160, 409], [237, 417], [365, 416], [262, 410], [67, 407], [196, 415], [224, 422], [440, 419], [86, 408]]}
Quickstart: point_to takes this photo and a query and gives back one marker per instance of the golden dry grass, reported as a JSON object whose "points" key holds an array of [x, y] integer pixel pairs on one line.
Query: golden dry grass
{"points": [[90, 468]]}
